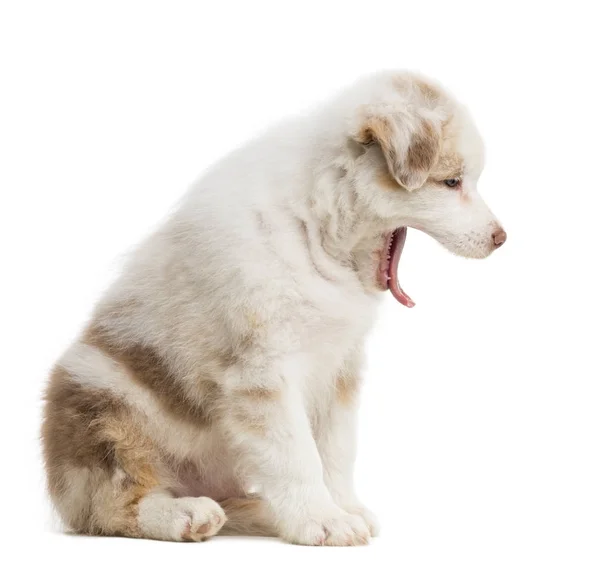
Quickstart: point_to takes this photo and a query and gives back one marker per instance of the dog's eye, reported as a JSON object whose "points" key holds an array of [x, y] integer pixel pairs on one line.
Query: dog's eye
{"points": [[452, 182]]}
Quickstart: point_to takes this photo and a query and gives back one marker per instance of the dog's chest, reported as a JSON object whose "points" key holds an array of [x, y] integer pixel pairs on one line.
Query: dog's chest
{"points": [[329, 334]]}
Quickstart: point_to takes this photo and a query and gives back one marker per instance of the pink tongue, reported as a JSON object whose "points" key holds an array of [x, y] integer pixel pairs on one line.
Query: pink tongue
{"points": [[395, 253]]}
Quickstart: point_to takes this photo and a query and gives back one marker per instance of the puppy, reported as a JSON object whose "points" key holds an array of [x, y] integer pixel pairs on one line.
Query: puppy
{"points": [[215, 387]]}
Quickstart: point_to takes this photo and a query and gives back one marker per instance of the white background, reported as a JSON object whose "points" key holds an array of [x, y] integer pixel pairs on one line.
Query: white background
{"points": [[480, 422]]}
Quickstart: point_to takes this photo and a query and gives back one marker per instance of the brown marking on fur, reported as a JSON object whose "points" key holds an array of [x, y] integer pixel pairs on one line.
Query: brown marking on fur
{"points": [[402, 83], [387, 181], [421, 156], [98, 463], [247, 516], [115, 507], [225, 358], [254, 422], [346, 389], [243, 342], [73, 430], [449, 165], [137, 456], [149, 369], [259, 394], [254, 319], [250, 408], [424, 148], [408, 86], [378, 129], [429, 91]]}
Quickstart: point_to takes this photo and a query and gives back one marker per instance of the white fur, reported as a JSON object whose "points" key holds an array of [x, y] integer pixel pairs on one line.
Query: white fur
{"points": [[188, 518]]}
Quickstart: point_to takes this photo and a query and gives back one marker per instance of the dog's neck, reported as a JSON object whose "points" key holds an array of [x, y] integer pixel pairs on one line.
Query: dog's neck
{"points": [[349, 235]]}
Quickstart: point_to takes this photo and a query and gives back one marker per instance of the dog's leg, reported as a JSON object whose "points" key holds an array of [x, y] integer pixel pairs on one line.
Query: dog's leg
{"points": [[266, 422], [248, 516], [336, 440], [106, 477]]}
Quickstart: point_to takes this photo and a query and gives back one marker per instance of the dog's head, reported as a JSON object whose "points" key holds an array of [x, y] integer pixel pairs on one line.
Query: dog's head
{"points": [[417, 158]]}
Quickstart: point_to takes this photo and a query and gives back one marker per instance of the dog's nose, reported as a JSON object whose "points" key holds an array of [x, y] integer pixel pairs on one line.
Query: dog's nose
{"points": [[499, 237]]}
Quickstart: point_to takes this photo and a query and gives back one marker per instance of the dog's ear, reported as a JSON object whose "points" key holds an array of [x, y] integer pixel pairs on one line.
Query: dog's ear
{"points": [[410, 149]]}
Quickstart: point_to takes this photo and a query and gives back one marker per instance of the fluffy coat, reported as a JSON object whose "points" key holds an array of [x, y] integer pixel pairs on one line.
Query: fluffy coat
{"points": [[216, 385]]}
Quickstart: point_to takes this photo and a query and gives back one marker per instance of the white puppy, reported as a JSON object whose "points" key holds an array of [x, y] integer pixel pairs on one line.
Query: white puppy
{"points": [[216, 384]]}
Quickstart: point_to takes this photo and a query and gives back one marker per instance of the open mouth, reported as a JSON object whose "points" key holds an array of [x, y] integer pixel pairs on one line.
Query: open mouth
{"points": [[387, 272]]}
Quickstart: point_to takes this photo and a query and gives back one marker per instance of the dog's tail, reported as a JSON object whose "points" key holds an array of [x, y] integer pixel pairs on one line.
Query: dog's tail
{"points": [[248, 517]]}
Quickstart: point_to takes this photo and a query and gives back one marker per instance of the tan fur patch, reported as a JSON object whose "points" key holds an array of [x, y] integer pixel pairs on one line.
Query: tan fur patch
{"points": [[374, 129], [254, 422], [424, 148], [251, 408], [115, 508], [98, 462], [147, 367], [449, 165], [422, 153], [385, 180], [259, 394], [73, 430], [421, 156], [346, 389], [430, 92], [254, 320], [378, 129], [136, 455], [247, 516], [115, 505]]}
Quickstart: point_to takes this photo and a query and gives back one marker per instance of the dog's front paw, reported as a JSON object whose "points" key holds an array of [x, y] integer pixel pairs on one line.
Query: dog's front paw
{"points": [[366, 514], [336, 528]]}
